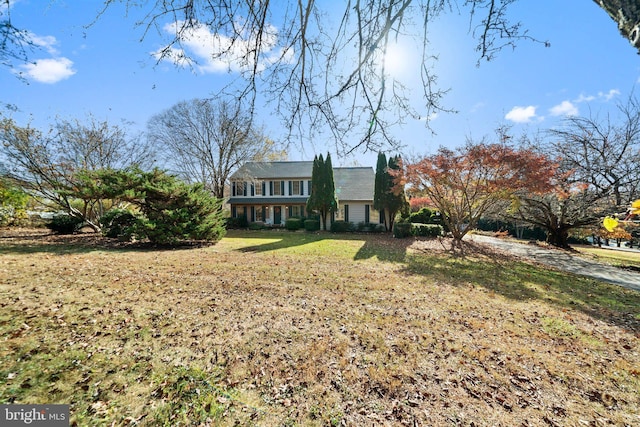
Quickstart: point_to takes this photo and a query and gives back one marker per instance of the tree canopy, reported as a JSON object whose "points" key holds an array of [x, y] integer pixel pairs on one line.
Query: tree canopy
{"points": [[49, 165], [205, 140], [322, 67], [466, 183]]}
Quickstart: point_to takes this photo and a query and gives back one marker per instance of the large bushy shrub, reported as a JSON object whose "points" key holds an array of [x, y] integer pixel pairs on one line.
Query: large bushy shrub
{"points": [[170, 210]]}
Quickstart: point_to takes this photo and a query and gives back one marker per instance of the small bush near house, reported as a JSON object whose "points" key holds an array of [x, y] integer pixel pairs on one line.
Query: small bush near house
{"points": [[236, 223], [64, 224], [401, 230], [293, 223], [312, 225], [341, 227], [377, 228], [427, 230], [257, 225]]}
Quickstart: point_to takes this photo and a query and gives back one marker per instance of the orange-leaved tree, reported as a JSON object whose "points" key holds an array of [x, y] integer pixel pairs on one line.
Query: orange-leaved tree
{"points": [[464, 184]]}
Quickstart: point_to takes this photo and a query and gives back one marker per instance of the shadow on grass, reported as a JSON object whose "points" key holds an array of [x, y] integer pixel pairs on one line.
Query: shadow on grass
{"points": [[522, 281], [381, 246], [44, 241]]}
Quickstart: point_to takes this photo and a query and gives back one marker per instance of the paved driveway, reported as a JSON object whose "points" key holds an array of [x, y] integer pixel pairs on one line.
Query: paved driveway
{"points": [[565, 261]]}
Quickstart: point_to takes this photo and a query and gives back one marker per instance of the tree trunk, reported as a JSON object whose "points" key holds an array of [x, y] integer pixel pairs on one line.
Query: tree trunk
{"points": [[558, 237], [627, 14]]}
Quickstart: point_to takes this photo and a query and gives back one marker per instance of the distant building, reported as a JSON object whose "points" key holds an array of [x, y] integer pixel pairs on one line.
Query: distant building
{"points": [[271, 192]]}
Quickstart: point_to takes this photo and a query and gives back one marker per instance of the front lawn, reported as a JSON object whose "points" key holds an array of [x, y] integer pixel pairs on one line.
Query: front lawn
{"points": [[294, 328]]}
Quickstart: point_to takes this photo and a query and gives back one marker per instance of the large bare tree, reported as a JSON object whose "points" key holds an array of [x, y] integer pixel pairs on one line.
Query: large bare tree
{"points": [[205, 140], [603, 152], [49, 165], [328, 68]]}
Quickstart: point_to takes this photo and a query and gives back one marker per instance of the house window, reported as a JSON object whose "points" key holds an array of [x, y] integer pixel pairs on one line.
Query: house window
{"points": [[240, 189], [367, 214], [258, 188], [295, 211], [278, 188], [346, 213], [295, 188], [260, 213]]}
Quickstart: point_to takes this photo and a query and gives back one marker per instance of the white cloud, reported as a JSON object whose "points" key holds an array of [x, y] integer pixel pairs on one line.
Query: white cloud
{"points": [[609, 95], [46, 42], [49, 70], [565, 108], [584, 98], [215, 53], [521, 114]]}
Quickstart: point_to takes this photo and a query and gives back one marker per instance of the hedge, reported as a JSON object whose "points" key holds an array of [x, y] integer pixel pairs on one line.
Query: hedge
{"points": [[341, 226], [406, 229], [312, 225], [293, 224]]}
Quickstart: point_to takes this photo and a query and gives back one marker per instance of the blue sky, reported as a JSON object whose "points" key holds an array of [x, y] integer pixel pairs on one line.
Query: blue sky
{"points": [[105, 70]]}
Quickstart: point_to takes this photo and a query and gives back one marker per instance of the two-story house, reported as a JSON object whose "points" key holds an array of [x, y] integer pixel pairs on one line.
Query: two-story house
{"points": [[271, 192]]}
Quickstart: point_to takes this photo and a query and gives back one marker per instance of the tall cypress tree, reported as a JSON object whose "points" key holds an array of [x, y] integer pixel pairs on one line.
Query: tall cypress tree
{"points": [[329, 192], [322, 198], [314, 190], [380, 186]]}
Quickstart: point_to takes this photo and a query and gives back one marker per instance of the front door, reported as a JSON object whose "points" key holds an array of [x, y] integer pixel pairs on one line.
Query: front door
{"points": [[277, 215]]}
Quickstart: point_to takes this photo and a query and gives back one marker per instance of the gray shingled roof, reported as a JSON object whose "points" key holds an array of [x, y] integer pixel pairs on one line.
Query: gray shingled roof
{"points": [[354, 183], [273, 170]]}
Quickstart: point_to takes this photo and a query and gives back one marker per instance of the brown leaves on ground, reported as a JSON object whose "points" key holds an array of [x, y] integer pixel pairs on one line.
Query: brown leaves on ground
{"points": [[271, 338]]}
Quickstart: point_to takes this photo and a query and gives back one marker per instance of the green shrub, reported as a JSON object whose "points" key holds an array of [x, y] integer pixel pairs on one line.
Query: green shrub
{"points": [[401, 230], [423, 216], [377, 228], [118, 223], [341, 226], [312, 225], [427, 230], [236, 223], [257, 225], [64, 224], [293, 223]]}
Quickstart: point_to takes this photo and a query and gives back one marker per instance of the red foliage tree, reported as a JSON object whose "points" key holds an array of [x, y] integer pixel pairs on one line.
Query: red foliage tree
{"points": [[466, 183]]}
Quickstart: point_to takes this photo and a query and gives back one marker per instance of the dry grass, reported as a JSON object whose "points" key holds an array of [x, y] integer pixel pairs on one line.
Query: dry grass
{"points": [[270, 328]]}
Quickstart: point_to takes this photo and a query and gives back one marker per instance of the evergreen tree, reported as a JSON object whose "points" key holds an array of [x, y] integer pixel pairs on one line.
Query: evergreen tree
{"points": [[330, 204], [322, 198], [388, 198], [380, 186], [395, 199], [313, 191]]}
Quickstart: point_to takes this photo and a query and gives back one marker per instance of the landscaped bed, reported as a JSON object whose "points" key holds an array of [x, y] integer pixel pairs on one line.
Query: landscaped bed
{"points": [[283, 328]]}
